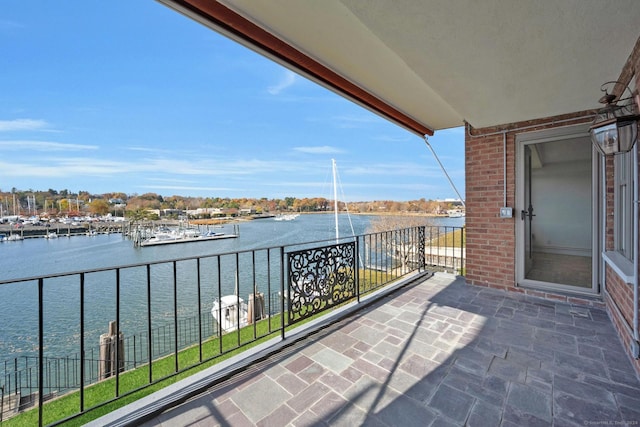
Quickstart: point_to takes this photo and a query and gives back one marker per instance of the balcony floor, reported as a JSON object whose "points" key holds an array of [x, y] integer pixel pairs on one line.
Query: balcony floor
{"points": [[439, 352]]}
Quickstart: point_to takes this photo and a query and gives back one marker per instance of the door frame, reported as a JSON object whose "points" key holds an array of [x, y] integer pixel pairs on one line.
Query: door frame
{"points": [[554, 135]]}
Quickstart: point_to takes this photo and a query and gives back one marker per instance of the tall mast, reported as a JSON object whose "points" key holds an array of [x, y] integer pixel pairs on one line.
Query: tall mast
{"points": [[335, 197]]}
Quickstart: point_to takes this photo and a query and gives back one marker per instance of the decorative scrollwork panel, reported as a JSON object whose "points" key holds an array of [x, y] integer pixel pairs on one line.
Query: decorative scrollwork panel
{"points": [[320, 278], [421, 247]]}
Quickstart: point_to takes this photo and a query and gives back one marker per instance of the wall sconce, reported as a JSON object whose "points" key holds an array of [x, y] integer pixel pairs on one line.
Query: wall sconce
{"points": [[615, 127]]}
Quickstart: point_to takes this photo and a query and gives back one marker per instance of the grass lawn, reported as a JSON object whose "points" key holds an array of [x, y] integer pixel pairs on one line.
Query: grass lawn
{"points": [[454, 239]]}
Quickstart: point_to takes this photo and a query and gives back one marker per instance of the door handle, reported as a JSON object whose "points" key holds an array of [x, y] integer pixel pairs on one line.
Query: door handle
{"points": [[528, 213]]}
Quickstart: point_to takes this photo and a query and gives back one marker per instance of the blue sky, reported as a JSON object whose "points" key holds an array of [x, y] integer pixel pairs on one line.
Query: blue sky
{"points": [[133, 97]]}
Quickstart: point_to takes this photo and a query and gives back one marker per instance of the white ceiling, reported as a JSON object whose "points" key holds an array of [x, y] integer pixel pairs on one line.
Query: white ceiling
{"points": [[441, 62]]}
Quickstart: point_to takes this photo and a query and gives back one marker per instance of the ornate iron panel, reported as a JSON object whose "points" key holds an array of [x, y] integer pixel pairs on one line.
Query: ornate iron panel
{"points": [[421, 248], [320, 278]]}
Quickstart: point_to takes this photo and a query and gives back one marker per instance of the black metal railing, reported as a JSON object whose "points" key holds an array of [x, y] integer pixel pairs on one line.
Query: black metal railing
{"points": [[166, 317]]}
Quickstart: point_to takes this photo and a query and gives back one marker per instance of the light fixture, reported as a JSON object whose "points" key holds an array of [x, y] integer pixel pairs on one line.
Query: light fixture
{"points": [[615, 127]]}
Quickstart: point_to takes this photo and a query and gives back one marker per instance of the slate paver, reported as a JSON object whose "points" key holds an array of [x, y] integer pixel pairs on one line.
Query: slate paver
{"points": [[507, 369], [260, 399], [452, 403], [531, 401], [483, 414], [332, 360]]}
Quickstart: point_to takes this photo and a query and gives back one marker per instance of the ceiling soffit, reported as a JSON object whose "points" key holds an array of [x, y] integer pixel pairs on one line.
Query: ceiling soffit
{"points": [[441, 63]]}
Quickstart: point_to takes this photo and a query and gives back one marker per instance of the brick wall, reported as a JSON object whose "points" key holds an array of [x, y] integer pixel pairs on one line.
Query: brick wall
{"points": [[620, 295], [491, 240]]}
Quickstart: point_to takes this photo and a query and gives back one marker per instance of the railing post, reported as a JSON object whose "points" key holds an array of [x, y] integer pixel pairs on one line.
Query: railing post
{"points": [[282, 273], [149, 336], [175, 315], [15, 370], [238, 297], [462, 252], [117, 337], [357, 269], [422, 247], [219, 305], [199, 310], [269, 287], [40, 349], [82, 373]]}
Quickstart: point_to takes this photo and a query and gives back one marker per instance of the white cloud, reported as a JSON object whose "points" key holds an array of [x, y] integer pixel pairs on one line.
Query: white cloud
{"points": [[389, 138], [287, 80], [325, 149], [22, 124], [10, 25], [43, 146], [355, 121], [94, 167], [395, 169]]}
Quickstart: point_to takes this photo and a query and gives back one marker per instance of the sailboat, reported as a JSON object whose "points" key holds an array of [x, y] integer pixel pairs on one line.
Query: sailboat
{"points": [[231, 312]]}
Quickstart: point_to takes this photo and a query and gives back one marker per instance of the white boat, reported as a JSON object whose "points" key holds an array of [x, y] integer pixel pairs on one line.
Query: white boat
{"points": [[230, 312], [52, 235], [13, 238], [183, 236], [455, 214], [286, 217]]}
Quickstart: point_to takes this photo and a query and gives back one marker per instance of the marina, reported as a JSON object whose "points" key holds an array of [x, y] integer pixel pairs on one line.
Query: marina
{"points": [[221, 285]]}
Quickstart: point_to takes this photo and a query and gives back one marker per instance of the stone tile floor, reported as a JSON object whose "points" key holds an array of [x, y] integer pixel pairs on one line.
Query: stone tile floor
{"points": [[438, 353]]}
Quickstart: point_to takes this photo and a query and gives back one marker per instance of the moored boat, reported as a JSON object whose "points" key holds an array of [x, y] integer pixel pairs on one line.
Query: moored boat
{"points": [[183, 236], [230, 312]]}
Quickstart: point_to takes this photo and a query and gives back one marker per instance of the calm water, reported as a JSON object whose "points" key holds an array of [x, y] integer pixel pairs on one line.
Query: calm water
{"points": [[34, 257]]}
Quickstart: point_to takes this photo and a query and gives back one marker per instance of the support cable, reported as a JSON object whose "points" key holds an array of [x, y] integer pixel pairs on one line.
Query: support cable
{"points": [[445, 171]]}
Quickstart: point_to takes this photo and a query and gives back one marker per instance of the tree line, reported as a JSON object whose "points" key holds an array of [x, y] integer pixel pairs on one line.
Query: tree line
{"points": [[65, 202]]}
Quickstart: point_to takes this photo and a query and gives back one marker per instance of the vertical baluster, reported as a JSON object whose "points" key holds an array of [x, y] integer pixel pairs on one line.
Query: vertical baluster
{"points": [[238, 297], [355, 267], [282, 295], [175, 316], [82, 373], [149, 336], [15, 370], [117, 338], [40, 349], [446, 247], [255, 290], [269, 311], [199, 310], [379, 259], [219, 305]]}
